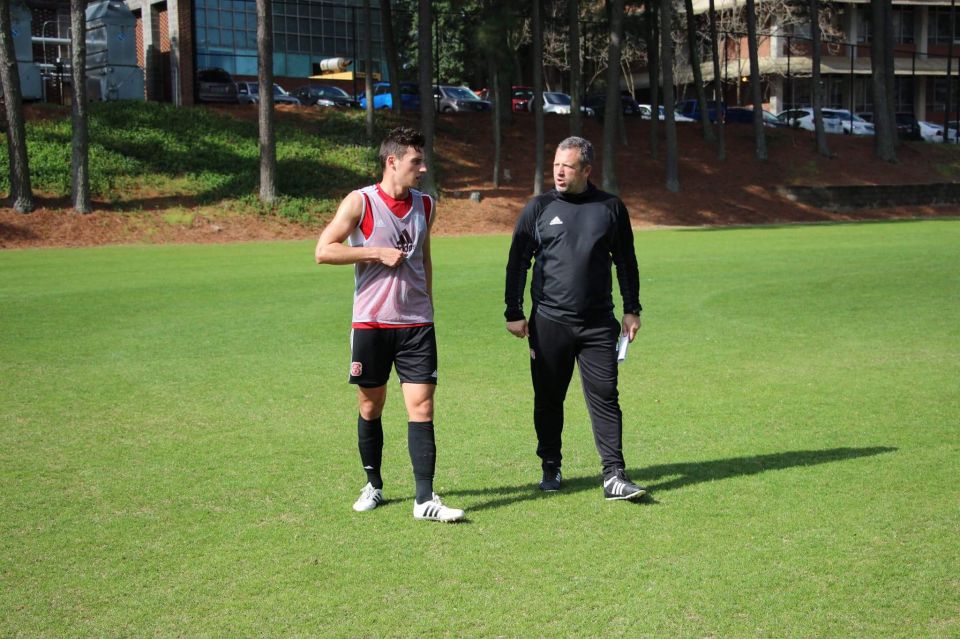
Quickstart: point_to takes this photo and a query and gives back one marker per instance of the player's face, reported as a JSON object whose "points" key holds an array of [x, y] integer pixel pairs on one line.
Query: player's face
{"points": [[569, 173], [410, 168]]}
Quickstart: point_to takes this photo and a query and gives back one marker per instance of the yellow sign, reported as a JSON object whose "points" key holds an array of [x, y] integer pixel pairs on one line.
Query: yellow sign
{"points": [[344, 75]]}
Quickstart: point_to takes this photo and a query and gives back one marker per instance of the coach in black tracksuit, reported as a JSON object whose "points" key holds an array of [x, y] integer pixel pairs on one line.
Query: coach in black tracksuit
{"points": [[575, 233]]}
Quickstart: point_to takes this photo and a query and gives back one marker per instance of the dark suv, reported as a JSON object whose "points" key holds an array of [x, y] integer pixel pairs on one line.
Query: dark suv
{"points": [[324, 95], [453, 99], [598, 102], [691, 109], [215, 85]]}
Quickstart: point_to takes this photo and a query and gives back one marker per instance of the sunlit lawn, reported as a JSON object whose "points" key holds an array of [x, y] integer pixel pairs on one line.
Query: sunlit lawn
{"points": [[178, 448]]}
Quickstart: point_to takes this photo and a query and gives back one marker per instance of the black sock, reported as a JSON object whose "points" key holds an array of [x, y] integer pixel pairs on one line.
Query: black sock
{"points": [[423, 456], [370, 442]]}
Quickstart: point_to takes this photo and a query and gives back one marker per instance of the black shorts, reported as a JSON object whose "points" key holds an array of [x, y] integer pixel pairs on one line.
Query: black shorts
{"points": [[374, 350]]}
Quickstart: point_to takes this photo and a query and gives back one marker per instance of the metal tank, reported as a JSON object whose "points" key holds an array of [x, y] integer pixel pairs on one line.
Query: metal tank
{"points": [[112, 71], [31, 85]]}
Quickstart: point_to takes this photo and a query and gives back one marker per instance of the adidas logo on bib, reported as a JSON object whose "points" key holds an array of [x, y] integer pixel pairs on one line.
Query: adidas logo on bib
{"points": [[556, 220]]}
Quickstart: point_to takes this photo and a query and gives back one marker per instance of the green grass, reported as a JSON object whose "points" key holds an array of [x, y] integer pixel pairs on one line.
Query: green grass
{"points": [[178, 453], [141, 151]]}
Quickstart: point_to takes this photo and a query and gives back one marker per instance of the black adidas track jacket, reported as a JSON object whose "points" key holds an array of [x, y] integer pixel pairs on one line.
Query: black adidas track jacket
{"points": [[575, 239]]}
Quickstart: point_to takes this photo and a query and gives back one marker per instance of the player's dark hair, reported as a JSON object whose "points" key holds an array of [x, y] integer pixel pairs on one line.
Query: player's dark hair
{"points": [[398, 141], [581, 144]]}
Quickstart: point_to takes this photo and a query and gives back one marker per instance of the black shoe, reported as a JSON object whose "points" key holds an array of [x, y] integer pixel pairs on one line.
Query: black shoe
{"points": [[618, 486], [550, 481]]}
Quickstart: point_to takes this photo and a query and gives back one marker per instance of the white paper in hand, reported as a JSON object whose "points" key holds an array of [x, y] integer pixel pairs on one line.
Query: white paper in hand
{"points": [[622, 345]]}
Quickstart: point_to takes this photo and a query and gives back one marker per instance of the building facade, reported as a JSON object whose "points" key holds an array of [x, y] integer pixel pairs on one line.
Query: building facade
{"points": [[922, 34], [175, 38]]}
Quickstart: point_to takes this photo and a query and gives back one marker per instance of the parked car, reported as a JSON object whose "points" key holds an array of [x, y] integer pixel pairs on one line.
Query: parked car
{"points": [[453, 99], [559, 103], [598, 102], [933, 132], [691, 109], [744, 115], [249, 93], [803, 119], [520, 98], [646, 111], [850, 122], [908, 127], [383, 99], [324, 95], [215, 85]]}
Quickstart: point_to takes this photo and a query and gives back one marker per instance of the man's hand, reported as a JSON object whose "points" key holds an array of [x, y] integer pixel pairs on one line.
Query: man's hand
{"points": [[518, 328], [630, 325], [391, 257]]}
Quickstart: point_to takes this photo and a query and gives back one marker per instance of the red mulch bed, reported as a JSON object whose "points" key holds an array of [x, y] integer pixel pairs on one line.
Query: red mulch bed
{"points": [[739, 190]]}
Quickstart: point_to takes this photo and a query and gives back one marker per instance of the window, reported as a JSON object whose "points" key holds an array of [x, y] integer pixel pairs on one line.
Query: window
{"points": [[227, 33], [903, 25], [940, 26]]}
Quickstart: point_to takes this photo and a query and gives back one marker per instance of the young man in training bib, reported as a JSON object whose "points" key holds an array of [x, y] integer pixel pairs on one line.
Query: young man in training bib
{"points": [[388, 228]]}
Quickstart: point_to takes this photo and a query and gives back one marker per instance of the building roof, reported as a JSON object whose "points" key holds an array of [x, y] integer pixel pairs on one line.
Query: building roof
{"points": [[701, 6]]}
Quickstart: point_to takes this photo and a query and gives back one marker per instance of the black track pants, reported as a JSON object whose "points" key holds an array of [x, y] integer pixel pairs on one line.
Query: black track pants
{"points": [[553, 349]]}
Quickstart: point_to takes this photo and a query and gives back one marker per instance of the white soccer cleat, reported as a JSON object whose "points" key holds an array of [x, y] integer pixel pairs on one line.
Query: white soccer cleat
{"points": [[369, 498], [434, 510]]}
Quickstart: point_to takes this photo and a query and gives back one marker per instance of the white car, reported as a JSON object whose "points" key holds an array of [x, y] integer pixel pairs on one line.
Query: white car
{"points": [[556, 102], [803, 119], [646, 111], [850, 122], [931, 132]]}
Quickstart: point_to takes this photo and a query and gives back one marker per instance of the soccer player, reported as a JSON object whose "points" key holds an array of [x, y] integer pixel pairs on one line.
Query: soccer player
{"points": [[574, 232], [388, 227]]}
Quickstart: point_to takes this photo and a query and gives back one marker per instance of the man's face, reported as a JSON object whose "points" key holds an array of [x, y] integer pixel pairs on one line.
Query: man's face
{"points": [[410, 168], [569, 174]]}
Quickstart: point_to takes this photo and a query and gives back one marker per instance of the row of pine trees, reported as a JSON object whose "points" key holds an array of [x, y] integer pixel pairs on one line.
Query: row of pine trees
{"points": [[495, 20]]}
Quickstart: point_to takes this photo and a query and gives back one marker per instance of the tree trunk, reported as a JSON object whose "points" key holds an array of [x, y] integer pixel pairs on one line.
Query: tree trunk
{"points": [[756, 93], [884, 128], [268, 138], [613, 107], [497, 119], [697, 75], [666, 62], [717, 83], [368, 66], [889, 77], [815, 92], [390, 51], [79, 162], [537, 19], [428, 112], [653, 55], [573, 26], [949, 104], [21, 194]]}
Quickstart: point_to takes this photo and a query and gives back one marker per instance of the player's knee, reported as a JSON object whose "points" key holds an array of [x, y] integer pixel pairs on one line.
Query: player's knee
{"points": [[371, 408], [421, 411]]}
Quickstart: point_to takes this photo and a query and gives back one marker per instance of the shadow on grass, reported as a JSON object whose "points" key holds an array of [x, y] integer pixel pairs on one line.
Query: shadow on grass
{"points": [[838, 222], [688, 473]]}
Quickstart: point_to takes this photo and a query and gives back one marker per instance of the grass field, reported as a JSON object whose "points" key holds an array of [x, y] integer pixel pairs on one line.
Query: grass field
{"points": [[178, 452]]}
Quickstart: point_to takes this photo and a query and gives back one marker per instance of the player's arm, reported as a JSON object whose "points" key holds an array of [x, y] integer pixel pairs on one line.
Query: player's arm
{"points": [[625, 258], [331, 248], [522, 248]]}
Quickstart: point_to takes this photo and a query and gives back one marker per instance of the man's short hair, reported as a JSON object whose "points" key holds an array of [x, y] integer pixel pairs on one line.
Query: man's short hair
{"points": [[398, 141], [581, 144]]}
